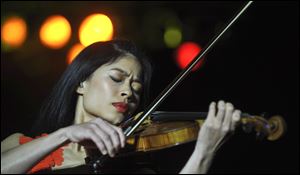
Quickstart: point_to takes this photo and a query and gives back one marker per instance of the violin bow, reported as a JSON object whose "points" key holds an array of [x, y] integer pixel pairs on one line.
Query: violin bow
{"points": [[95, 162], [159, 99]]}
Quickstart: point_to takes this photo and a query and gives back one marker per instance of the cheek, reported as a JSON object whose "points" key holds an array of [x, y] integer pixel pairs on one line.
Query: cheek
{"points": [[98, 97]]}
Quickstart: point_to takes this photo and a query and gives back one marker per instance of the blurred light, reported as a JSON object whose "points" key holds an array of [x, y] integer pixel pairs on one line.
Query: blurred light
{"points": [[74, 51], [172, 37], [55, 31], [94, 28], [186, 52], [14, 31]]}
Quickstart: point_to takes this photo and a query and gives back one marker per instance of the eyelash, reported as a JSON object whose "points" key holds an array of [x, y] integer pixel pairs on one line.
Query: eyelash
{"points": [[115, 79], [118, 81]]}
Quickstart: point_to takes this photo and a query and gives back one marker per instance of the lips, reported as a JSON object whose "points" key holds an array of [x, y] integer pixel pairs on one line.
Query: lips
{"points": [[120, 106]]}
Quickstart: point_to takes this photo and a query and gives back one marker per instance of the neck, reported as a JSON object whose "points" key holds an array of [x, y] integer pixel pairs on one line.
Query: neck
{"points": [[81, 115]]}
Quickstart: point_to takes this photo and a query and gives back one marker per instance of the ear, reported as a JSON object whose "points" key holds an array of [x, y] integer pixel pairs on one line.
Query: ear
{"points": [[81, 88]]}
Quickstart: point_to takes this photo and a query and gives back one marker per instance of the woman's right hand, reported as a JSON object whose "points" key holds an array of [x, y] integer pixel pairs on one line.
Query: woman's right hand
{"points": [[107, 137]]}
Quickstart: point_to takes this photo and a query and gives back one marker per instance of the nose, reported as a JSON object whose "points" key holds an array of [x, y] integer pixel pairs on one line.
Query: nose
{"points": [[126, 92]]}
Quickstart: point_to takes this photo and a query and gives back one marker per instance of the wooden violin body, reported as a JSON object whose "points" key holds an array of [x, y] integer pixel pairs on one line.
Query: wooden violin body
{"points": [[166, 132], [160, 135]]}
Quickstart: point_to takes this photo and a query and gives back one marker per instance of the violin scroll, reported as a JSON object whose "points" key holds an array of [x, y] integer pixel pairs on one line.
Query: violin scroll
{"points": [[278, 127], [273, 128]]}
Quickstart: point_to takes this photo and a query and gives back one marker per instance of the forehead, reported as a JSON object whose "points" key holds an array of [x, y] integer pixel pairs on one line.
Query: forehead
{"points": [[127, 63]]}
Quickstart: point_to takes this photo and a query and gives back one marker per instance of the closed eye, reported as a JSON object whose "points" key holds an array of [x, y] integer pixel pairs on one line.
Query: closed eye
{"points": [[118, 80], [137, 86]]}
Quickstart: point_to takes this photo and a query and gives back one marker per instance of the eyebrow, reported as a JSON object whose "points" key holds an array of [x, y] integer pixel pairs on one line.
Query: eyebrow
{"points": [[121, 70], [125, 73]]}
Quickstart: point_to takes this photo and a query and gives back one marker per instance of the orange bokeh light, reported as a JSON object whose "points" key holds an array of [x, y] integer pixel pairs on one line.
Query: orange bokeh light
{"points": [[55, 31], [186, 52], [14, 31], [73, 52], [94, 28]]}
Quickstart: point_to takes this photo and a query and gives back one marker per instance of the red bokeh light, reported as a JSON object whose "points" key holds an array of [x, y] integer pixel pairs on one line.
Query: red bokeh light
{"points": [[186, 52]]}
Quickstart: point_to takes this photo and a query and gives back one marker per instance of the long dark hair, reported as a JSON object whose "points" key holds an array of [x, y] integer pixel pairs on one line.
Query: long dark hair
{"points": [[58, 110]]}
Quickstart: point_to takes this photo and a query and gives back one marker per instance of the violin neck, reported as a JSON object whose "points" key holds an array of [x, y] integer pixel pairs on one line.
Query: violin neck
{"points": [[182, 116]]}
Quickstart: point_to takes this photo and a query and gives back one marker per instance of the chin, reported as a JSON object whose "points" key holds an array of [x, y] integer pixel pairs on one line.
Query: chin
{"points": [[118, 119]]}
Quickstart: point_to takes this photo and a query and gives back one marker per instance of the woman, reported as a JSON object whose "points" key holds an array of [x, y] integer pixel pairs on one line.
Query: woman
{"points": [[106, 83]]}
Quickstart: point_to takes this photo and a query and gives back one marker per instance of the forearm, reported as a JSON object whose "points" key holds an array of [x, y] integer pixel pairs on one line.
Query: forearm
{"points": [[198, 163], [24, 157]]}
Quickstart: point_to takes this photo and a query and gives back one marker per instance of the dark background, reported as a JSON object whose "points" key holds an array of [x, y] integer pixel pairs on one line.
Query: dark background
{"points": [[255, 66]]}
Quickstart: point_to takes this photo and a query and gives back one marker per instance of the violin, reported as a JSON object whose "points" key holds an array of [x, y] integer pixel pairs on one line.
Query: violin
{"points": [[165, 129]]}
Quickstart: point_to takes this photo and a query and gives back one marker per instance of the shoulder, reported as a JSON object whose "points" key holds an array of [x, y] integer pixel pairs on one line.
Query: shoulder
{"points": [[11, 141]]}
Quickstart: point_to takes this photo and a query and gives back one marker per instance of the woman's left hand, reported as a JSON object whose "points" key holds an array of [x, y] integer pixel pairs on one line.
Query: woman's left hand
{"points": [[218, 125]]}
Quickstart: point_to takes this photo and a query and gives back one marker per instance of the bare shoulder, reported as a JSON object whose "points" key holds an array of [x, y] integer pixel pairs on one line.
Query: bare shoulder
{"points": [[10, 142]]}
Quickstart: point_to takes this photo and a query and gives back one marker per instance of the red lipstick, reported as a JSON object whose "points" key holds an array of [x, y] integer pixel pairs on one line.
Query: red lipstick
{"points": [[120, 106]]}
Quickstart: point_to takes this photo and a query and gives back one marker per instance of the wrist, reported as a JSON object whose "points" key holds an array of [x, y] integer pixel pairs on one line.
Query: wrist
{"points": [[61, 135], [205, 157], [202, 149]]}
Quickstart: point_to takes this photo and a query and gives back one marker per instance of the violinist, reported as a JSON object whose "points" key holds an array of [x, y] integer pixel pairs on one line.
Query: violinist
{"points": [[104, 85]]}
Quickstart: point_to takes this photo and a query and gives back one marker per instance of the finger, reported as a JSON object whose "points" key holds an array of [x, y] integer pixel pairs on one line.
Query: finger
{"points": [[105, 138], [114, 134], [99, 143], [121, 135], [236, 116], [211, 111], [221, 111], [228, 117]]}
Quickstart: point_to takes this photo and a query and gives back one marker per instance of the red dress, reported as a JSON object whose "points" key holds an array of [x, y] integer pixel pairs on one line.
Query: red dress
{"points": [[53, 159]]}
